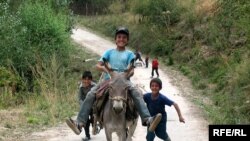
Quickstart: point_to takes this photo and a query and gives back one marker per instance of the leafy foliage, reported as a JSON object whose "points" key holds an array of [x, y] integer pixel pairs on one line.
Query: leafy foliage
{"points": [[32, 33], [90, 7], [208, 45], [159, 12]]}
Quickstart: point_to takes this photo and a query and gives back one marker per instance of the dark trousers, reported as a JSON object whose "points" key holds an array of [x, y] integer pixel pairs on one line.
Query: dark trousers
{"points": [[156, 70], [146, 61], [139, 59], [89, 121], [160, 132]]}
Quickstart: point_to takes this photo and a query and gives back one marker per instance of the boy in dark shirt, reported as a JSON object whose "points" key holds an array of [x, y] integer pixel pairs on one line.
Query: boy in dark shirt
{"points": [[156, 104], [138, 56], [85, 87]]}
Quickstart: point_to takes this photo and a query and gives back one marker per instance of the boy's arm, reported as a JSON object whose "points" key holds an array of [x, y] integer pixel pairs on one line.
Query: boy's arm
{"points": [[80, 95], [131, 73], [181, 119], [100, 66]]}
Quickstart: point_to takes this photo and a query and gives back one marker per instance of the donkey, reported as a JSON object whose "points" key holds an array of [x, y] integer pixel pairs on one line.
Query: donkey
{"points": [[114, 115]]}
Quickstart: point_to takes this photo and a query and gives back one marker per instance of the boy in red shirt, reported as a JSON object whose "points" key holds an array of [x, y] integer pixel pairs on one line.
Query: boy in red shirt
{"points": [[155, 65]]}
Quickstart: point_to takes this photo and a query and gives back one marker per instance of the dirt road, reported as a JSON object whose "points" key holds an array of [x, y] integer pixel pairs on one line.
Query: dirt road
{"points": [[195, 128]]}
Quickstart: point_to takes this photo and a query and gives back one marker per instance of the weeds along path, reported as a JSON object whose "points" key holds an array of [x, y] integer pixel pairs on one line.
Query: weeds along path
{"points": [[174, 86]]}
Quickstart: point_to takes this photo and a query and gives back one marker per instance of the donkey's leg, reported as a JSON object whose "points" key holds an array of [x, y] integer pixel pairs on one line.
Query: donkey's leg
{"points": [[131, 129], [94, 130], [121, 135], [108, 135]]}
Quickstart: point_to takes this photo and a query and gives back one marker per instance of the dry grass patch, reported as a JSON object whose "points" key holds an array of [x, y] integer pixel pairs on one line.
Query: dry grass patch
{"points": [[11, 123], [206, 7]]}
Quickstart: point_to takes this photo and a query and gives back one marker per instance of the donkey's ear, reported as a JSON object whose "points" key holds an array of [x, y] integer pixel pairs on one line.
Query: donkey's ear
{"points": [[131, 65], [130, 73], [108, 67], [130, 68]]}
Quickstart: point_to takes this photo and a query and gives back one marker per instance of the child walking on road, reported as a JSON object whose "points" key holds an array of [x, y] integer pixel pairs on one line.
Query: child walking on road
{"points": [[146, 60], [155, 66], [156, 104], [85, 87], [138, 56]]}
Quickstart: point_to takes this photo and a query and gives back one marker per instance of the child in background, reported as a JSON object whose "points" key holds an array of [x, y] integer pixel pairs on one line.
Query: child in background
{"points": [[85, 87], [138, 56], [155, 66], [156, 104], [146, 60]]}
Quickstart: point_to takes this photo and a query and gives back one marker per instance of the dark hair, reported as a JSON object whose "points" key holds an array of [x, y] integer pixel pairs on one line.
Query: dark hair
{"points": [[156, 80], [87, 74], [122, 30]]}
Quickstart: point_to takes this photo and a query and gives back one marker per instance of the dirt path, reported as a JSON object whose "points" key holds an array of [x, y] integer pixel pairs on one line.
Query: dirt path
{"points": [[195, 128]]}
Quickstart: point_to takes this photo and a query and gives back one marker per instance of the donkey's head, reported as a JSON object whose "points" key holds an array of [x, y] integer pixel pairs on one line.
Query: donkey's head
{"points": [[118, 87]]}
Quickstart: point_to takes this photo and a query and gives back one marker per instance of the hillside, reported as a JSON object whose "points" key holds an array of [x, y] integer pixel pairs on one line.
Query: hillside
{"points": [[40, 66], [207, 40]]}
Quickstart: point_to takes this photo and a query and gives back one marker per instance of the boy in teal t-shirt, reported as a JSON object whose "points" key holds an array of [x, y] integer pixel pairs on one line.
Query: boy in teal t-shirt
{"points": [[119, 59]]}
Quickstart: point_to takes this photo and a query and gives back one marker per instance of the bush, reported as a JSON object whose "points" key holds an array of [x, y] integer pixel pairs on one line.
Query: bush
{"points": [[30, 35], [158, 12], [46, 31], [12, 37]]}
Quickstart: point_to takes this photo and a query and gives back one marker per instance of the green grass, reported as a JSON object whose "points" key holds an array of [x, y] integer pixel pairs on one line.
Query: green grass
{"points": [[55, 92], [206, 45]]}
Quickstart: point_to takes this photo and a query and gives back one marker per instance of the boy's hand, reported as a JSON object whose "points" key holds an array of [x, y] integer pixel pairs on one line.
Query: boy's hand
{"points": [[104, 69], [181, 119]]}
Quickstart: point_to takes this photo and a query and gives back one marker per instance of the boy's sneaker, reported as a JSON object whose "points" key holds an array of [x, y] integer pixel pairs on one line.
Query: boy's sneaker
{"points": [[153, 122], [96, 129], [74, 125], [168, 139], [86, 139]]}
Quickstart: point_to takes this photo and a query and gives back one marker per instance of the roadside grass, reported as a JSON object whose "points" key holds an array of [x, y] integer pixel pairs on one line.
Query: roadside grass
{"points": [[54, 97], [201, 48]]}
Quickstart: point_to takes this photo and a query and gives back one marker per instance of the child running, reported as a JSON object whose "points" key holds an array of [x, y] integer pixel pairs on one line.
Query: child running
{"points": [[155, 66], [156, 104]]}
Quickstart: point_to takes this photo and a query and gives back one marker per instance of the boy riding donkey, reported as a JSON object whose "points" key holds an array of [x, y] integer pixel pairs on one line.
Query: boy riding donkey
{"points": [[119, 59]]}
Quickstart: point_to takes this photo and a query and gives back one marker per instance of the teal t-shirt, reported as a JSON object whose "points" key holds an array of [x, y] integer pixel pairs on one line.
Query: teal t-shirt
{"points": [[118, 60]]}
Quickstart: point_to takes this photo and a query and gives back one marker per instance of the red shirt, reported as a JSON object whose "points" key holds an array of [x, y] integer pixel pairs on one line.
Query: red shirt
{"points": [[155, 63]]}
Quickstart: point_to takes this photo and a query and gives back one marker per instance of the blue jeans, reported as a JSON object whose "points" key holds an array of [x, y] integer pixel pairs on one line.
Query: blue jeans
{"points": [[160, 132]]}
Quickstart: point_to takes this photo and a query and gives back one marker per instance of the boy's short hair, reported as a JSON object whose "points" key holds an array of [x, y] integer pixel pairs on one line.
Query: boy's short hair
{"points": [[156, 80], [87, 74]]}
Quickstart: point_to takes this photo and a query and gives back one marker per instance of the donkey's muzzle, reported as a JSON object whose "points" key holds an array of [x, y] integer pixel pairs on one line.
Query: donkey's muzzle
{"points": [[117, 110], [118, 106]]}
